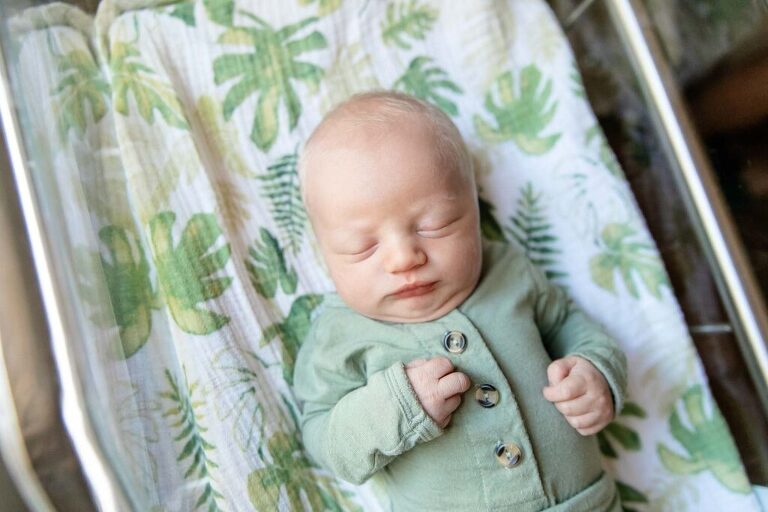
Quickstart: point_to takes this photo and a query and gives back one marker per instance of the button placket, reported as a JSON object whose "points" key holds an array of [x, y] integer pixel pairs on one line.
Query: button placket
{"points": [[482, 365]]}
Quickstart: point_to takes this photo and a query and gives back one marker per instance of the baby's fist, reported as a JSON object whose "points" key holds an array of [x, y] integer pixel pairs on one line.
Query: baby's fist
{"points": [[581, 394], [437, 386]]}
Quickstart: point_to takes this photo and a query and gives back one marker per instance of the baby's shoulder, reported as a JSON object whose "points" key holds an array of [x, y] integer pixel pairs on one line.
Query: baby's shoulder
{"points": [[336, 323]]}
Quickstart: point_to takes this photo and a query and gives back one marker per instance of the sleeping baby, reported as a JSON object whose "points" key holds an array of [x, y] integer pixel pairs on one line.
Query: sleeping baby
{"points": [[444, 367]]}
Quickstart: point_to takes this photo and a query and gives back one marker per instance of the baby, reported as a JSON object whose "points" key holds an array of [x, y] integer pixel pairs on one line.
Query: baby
{"points": [[427, 314]]}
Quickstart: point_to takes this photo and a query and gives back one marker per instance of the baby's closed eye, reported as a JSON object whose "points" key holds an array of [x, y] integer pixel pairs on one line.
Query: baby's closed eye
{"points": [[436, 229], [361, 251]]}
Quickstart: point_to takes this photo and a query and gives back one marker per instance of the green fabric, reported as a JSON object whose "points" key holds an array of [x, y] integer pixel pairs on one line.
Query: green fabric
{"points": [[360, 418]]}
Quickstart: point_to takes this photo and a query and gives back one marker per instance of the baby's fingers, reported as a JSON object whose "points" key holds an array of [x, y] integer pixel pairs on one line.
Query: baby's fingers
{"points": [[453, 384], [576, 407], [451, 404], [590, 423], [569, 389]]}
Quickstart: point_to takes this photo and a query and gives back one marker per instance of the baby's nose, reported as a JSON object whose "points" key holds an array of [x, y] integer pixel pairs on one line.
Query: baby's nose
{"points": [[404, 256]]}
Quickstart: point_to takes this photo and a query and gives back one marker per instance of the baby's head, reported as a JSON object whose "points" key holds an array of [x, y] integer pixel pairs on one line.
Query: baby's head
{"points": [[389, 189]]}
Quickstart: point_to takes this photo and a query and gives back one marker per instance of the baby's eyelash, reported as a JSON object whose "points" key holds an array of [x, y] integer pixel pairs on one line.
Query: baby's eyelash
{"points": [[369, 249], [436, 230]]}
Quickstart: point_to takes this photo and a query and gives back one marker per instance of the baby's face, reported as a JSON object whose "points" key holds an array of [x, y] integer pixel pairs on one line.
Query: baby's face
{"points": [[399, 232]]}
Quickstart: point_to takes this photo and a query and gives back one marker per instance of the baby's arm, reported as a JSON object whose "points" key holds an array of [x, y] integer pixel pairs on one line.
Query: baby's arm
{"points": [[370, 424], [587, 379], [355, 425]]}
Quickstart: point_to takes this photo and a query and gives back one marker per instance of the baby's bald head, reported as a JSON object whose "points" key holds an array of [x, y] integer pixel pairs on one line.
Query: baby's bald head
{"points": [[369, 118]]}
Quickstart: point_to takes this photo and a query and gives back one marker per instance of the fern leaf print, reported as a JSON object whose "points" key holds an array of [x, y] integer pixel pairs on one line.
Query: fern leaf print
{"points": [[196, 450], [532, 231], [281, 188]]}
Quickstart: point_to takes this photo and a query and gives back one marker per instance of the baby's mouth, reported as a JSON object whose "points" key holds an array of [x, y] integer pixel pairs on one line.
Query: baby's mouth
{"points": [[414, 289]]}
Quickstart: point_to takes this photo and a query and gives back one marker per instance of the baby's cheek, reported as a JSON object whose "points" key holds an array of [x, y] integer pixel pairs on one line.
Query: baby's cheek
{"points": [[356, 286]]}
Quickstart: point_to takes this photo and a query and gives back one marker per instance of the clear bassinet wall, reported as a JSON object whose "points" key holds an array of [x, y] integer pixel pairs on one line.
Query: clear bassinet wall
{"points": [[122, 387]]}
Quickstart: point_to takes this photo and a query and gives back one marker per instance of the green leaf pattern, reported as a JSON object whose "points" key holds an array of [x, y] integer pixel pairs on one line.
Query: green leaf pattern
{"points": [[628, 438], [624, 253], [292, 331], [521, 113], [80, 89], [489, 226], [706, 442], [220, 11], [196, 449], [629, 496], [406, 20], [291, 472], [281, 189], [269, 70], [187, 272], [132, 78], [267, 267], [532, 231], [130, 289], [424, 82]]}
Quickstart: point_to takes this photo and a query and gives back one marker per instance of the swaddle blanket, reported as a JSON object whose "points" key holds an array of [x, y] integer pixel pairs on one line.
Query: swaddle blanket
{"points": [[174, 128]]}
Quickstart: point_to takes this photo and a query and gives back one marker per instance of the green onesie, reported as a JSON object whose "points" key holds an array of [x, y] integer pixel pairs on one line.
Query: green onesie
{"points": [[506, 448]]}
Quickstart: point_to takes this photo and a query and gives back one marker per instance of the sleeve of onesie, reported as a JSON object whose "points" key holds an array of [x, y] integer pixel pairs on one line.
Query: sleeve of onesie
{"points": [[353, 424], [567, 331]]}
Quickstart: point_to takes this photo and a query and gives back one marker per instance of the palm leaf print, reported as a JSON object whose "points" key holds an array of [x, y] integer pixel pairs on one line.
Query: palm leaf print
{"points": [[191, 433], [707, 445], [620, 253], [281, 189], [187, 272], [489, 226], [521, 113], [220, 11], [292, 331], [531, 230], [267, 266], [629, 494], [424, 82], [130, 289], [80, 87], [290, 470], [270, 71], [628, 438], [406, 20], [185, 11], [130, 77], [323, 6]]}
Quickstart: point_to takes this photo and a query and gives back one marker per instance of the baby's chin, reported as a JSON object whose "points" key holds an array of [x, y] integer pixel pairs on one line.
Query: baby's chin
{"points": [[405, 311]]}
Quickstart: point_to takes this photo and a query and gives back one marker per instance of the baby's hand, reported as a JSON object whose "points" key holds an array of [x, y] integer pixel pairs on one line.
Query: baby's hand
{"points": [[437, 386], [580, 392]]}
